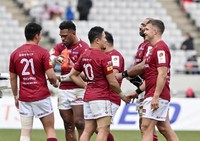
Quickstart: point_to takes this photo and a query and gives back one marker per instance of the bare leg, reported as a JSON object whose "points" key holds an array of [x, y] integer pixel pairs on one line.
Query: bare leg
{"points": [[78, 118], [48, 124], [67, 116], [103, 127], [166, 130], [147, 128], [90, 128]]}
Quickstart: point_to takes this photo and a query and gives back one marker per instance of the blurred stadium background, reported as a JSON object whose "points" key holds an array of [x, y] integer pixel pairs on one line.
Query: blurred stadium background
{"points": [[120, 17]]}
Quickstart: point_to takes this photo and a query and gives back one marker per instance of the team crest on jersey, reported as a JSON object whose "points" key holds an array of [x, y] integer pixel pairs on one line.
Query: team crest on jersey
{"points": [[161, 56]]}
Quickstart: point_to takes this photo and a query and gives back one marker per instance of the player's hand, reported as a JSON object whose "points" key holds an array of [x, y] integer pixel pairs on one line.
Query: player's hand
{"points": [[137, 80], [58, 77], [155, 103], [118, 76], [59, 59], [132, 96], [16, 103], [126, 99], [57, 84]]}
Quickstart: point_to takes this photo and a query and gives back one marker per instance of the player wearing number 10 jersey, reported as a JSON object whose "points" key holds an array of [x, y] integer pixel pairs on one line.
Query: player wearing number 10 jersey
{"points": [[31, 63], [98, 69]]}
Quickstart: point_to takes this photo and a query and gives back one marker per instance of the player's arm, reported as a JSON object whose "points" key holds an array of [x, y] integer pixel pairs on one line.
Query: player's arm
{"points": [[115, 86], [160, 83], [66, 78], [113, 83], [115, 71], [52, 77], [161, 80], [132, 72], [14, 84], [136, 69], [74, 75], [138, 91]]}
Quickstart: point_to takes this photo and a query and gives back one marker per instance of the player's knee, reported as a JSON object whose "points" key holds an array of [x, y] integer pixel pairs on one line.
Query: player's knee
{"points": [[80, 124], [69, 125], [162, 130], [27, 123], [103, 130], [144, 128]]}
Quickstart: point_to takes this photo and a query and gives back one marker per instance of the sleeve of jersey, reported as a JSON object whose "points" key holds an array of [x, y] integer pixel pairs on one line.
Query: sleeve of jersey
{"points": [[162, 58], [47, 61], [116, 61], [107, 65], [55, 51], [77, 65]]}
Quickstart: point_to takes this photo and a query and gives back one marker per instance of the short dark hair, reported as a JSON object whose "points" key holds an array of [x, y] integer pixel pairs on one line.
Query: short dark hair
{"points": [[109, 38], [31, 30], [67, 25], [95, 32], [157, 23]]}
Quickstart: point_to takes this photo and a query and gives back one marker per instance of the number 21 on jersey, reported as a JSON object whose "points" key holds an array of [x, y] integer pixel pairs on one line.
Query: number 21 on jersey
{"points": [[28, 63]]}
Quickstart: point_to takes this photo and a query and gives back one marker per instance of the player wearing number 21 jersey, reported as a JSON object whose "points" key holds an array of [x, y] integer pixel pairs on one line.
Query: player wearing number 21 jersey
{"points": [[31, 64]]}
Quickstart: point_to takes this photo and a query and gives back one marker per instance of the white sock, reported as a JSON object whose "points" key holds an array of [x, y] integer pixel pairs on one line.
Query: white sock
{"points": [[24, 138]]}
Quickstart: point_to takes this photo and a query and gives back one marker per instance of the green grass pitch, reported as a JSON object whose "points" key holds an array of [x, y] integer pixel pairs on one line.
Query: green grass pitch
{"points": [[125, 135]]}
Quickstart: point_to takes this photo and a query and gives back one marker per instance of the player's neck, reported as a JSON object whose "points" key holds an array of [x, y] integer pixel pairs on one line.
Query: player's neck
{"points": [[76, 40], [155, 40], [108, 49], [31, 42]]}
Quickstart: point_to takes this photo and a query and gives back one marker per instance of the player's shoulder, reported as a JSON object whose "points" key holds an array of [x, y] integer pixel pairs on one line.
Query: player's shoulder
{"points": [[83, 43], [145, 44], [162, 45], [98, 53], [117, 53], [59, 45]]}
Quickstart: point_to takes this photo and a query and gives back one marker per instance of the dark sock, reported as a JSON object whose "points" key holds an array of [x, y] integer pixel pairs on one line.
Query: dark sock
{"points": [[155, 138], [110, 137], [51, 139]]}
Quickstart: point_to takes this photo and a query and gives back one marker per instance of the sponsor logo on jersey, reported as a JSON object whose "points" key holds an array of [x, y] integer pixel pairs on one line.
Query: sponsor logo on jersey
{"points": [[115, 60], [161, 56], [109, 68]]}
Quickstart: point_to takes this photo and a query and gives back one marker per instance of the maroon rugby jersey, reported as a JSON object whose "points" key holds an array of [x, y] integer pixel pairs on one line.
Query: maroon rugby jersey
{"points": [[75, 51], [118, 63], [142, 53], [158, 57], [30, 62], [96, 65]]}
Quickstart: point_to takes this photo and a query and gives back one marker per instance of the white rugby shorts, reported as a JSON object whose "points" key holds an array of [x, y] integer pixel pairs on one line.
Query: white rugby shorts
{"points": [[96, 109], [66, 98], [160, 114], [114, 108], [38, 109]]}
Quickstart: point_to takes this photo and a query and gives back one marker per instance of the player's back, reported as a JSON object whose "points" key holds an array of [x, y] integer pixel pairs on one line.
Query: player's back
{"points": [[96, 65], [30, 62]]}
